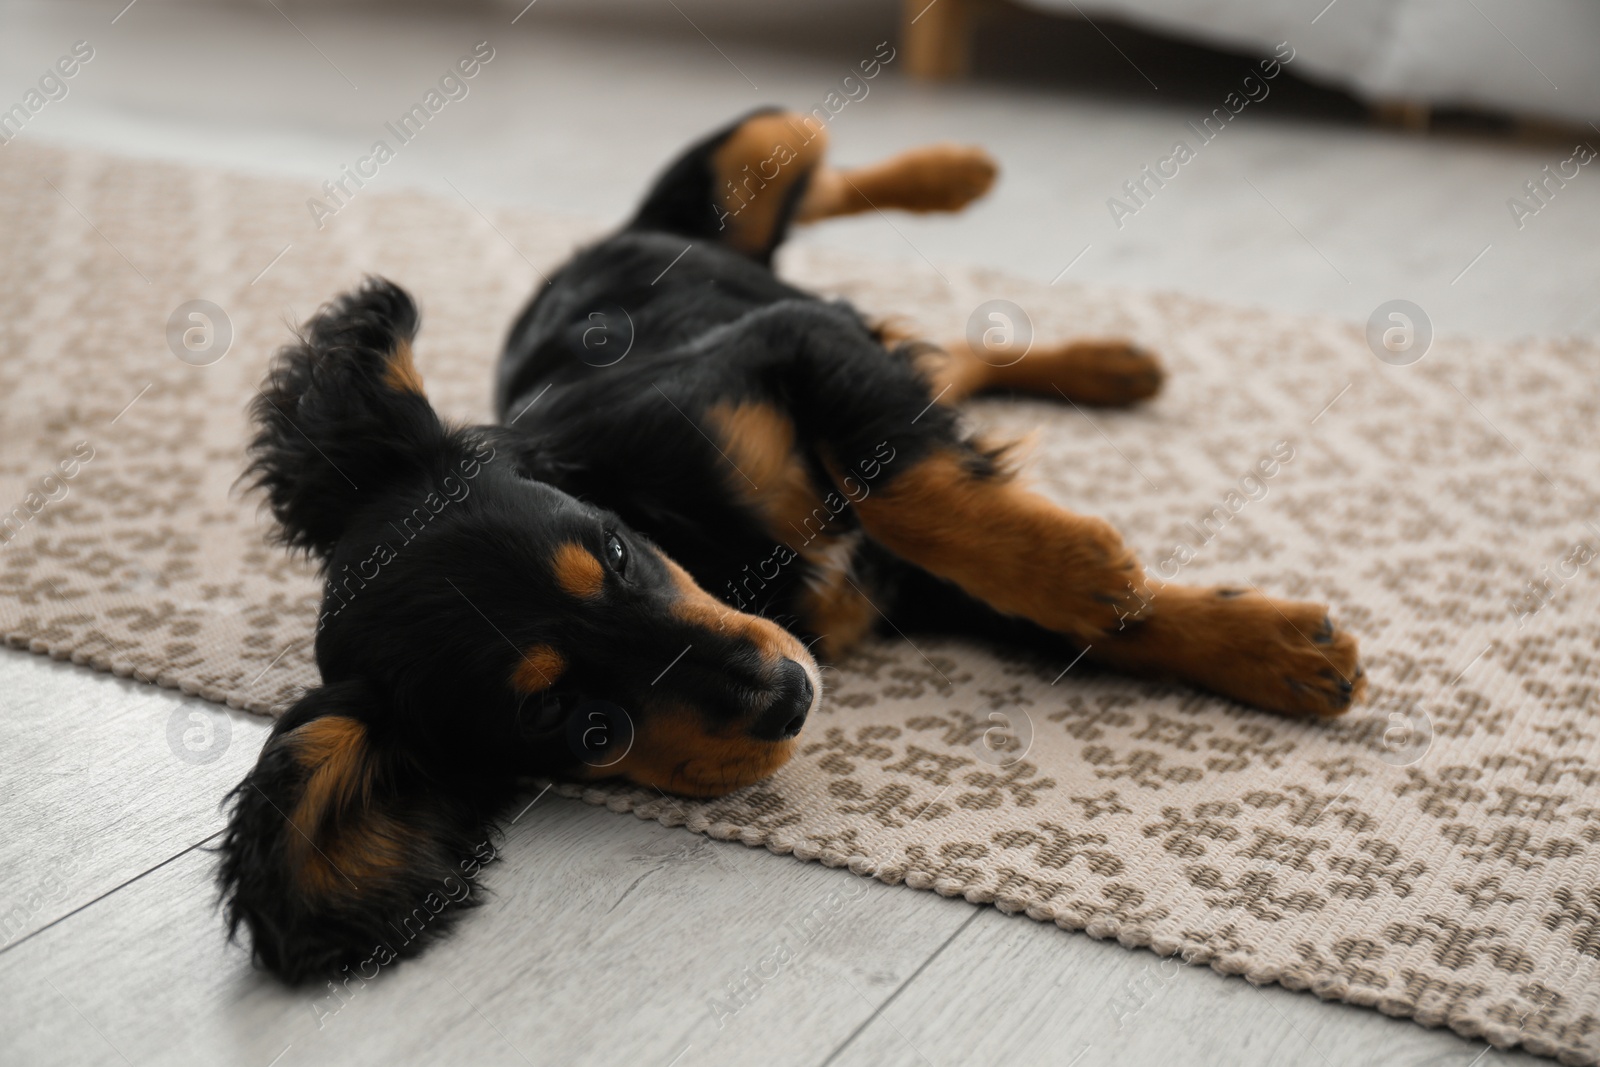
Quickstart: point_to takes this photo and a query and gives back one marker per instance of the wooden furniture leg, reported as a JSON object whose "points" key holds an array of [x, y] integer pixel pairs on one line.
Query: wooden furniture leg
{"points": [[936, 35]]}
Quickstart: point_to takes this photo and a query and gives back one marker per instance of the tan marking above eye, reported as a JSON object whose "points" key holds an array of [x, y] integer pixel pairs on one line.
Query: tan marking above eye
{"points": [[401, 374], [538, 670], [578, 572]]}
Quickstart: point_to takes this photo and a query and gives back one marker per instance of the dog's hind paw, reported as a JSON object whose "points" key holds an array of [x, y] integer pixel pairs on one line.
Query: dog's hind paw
{"points": [[1105, 373], [939, 177]]}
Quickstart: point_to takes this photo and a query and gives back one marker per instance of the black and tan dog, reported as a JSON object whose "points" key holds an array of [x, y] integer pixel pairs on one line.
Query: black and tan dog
{"points": [[701, 474]]}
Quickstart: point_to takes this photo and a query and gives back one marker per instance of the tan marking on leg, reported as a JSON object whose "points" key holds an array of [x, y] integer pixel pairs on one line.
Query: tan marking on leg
{"points": [[1109, 373], [891, 330], [1007, 546], [771, 479], [578, 572], [954, 373], [538, 670], [1101, 373], [1024, 556], [401, 373], [940, 177], [838, 612], [754, 170], [761, 442], [1284, 656]]}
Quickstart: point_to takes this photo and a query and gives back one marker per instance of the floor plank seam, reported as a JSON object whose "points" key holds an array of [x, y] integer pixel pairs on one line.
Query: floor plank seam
{"points": [[114, 889], [879, 1010]]}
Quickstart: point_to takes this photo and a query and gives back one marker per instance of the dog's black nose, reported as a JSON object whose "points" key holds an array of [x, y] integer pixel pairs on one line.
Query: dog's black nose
{"points": [[787, 713]]}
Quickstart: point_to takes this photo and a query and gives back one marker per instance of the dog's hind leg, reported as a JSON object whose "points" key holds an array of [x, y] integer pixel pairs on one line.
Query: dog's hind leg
{"points": [[739, 186], [1281, 655], [1098, 372], [1101, 373], [743, 185], [938, 177]]}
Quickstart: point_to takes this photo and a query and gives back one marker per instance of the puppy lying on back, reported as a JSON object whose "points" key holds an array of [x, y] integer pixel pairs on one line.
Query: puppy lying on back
{"points": [[627, 575]]}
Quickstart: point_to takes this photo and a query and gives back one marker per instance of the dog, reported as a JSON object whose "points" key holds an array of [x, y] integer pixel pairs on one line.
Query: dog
{"points": [[701, 476]]}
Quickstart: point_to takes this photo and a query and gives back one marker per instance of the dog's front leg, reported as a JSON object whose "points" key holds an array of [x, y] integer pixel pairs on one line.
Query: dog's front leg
{"points": [[1007, 546], [1282, 655]]}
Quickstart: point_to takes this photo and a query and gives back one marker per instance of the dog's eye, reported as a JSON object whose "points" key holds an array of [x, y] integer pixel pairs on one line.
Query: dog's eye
{"points": [[616, 554]]}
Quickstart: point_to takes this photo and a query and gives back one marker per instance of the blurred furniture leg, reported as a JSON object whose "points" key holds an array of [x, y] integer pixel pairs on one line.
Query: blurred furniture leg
{"points": [[1413, 115], [937, 38]]}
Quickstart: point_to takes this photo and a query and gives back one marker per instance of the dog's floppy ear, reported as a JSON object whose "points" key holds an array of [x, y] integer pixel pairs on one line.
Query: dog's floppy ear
{"points": [[340, 851], [341, 414]]}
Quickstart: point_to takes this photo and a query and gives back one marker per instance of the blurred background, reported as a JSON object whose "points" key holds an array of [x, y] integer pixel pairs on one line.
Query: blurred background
{"points": [[1383, 161]]}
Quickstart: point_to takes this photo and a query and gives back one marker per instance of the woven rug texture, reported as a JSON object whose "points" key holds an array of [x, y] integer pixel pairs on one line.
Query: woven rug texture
{"points": [[1434, 854]]}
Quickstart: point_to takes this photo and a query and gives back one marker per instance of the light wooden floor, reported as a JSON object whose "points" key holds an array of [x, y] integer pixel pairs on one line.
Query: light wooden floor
{"points": [[608, 938], [606, 942]]}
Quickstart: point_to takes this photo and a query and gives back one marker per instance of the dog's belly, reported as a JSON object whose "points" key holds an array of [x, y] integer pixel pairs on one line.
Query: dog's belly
{"points": [[623, 302]]}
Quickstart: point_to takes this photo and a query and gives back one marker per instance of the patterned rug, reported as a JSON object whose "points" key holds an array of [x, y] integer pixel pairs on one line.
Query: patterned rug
{"points": [[1435, 854]]}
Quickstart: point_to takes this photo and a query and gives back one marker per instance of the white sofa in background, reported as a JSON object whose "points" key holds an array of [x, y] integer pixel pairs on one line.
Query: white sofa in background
{"points": [[1528, 58]]}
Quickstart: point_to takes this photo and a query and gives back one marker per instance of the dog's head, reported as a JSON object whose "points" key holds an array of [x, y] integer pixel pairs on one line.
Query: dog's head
{"points": [[478, 625]]}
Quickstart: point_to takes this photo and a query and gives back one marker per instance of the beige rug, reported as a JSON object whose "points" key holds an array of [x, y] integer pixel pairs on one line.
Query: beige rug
{"points": [[1435, 854]]}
